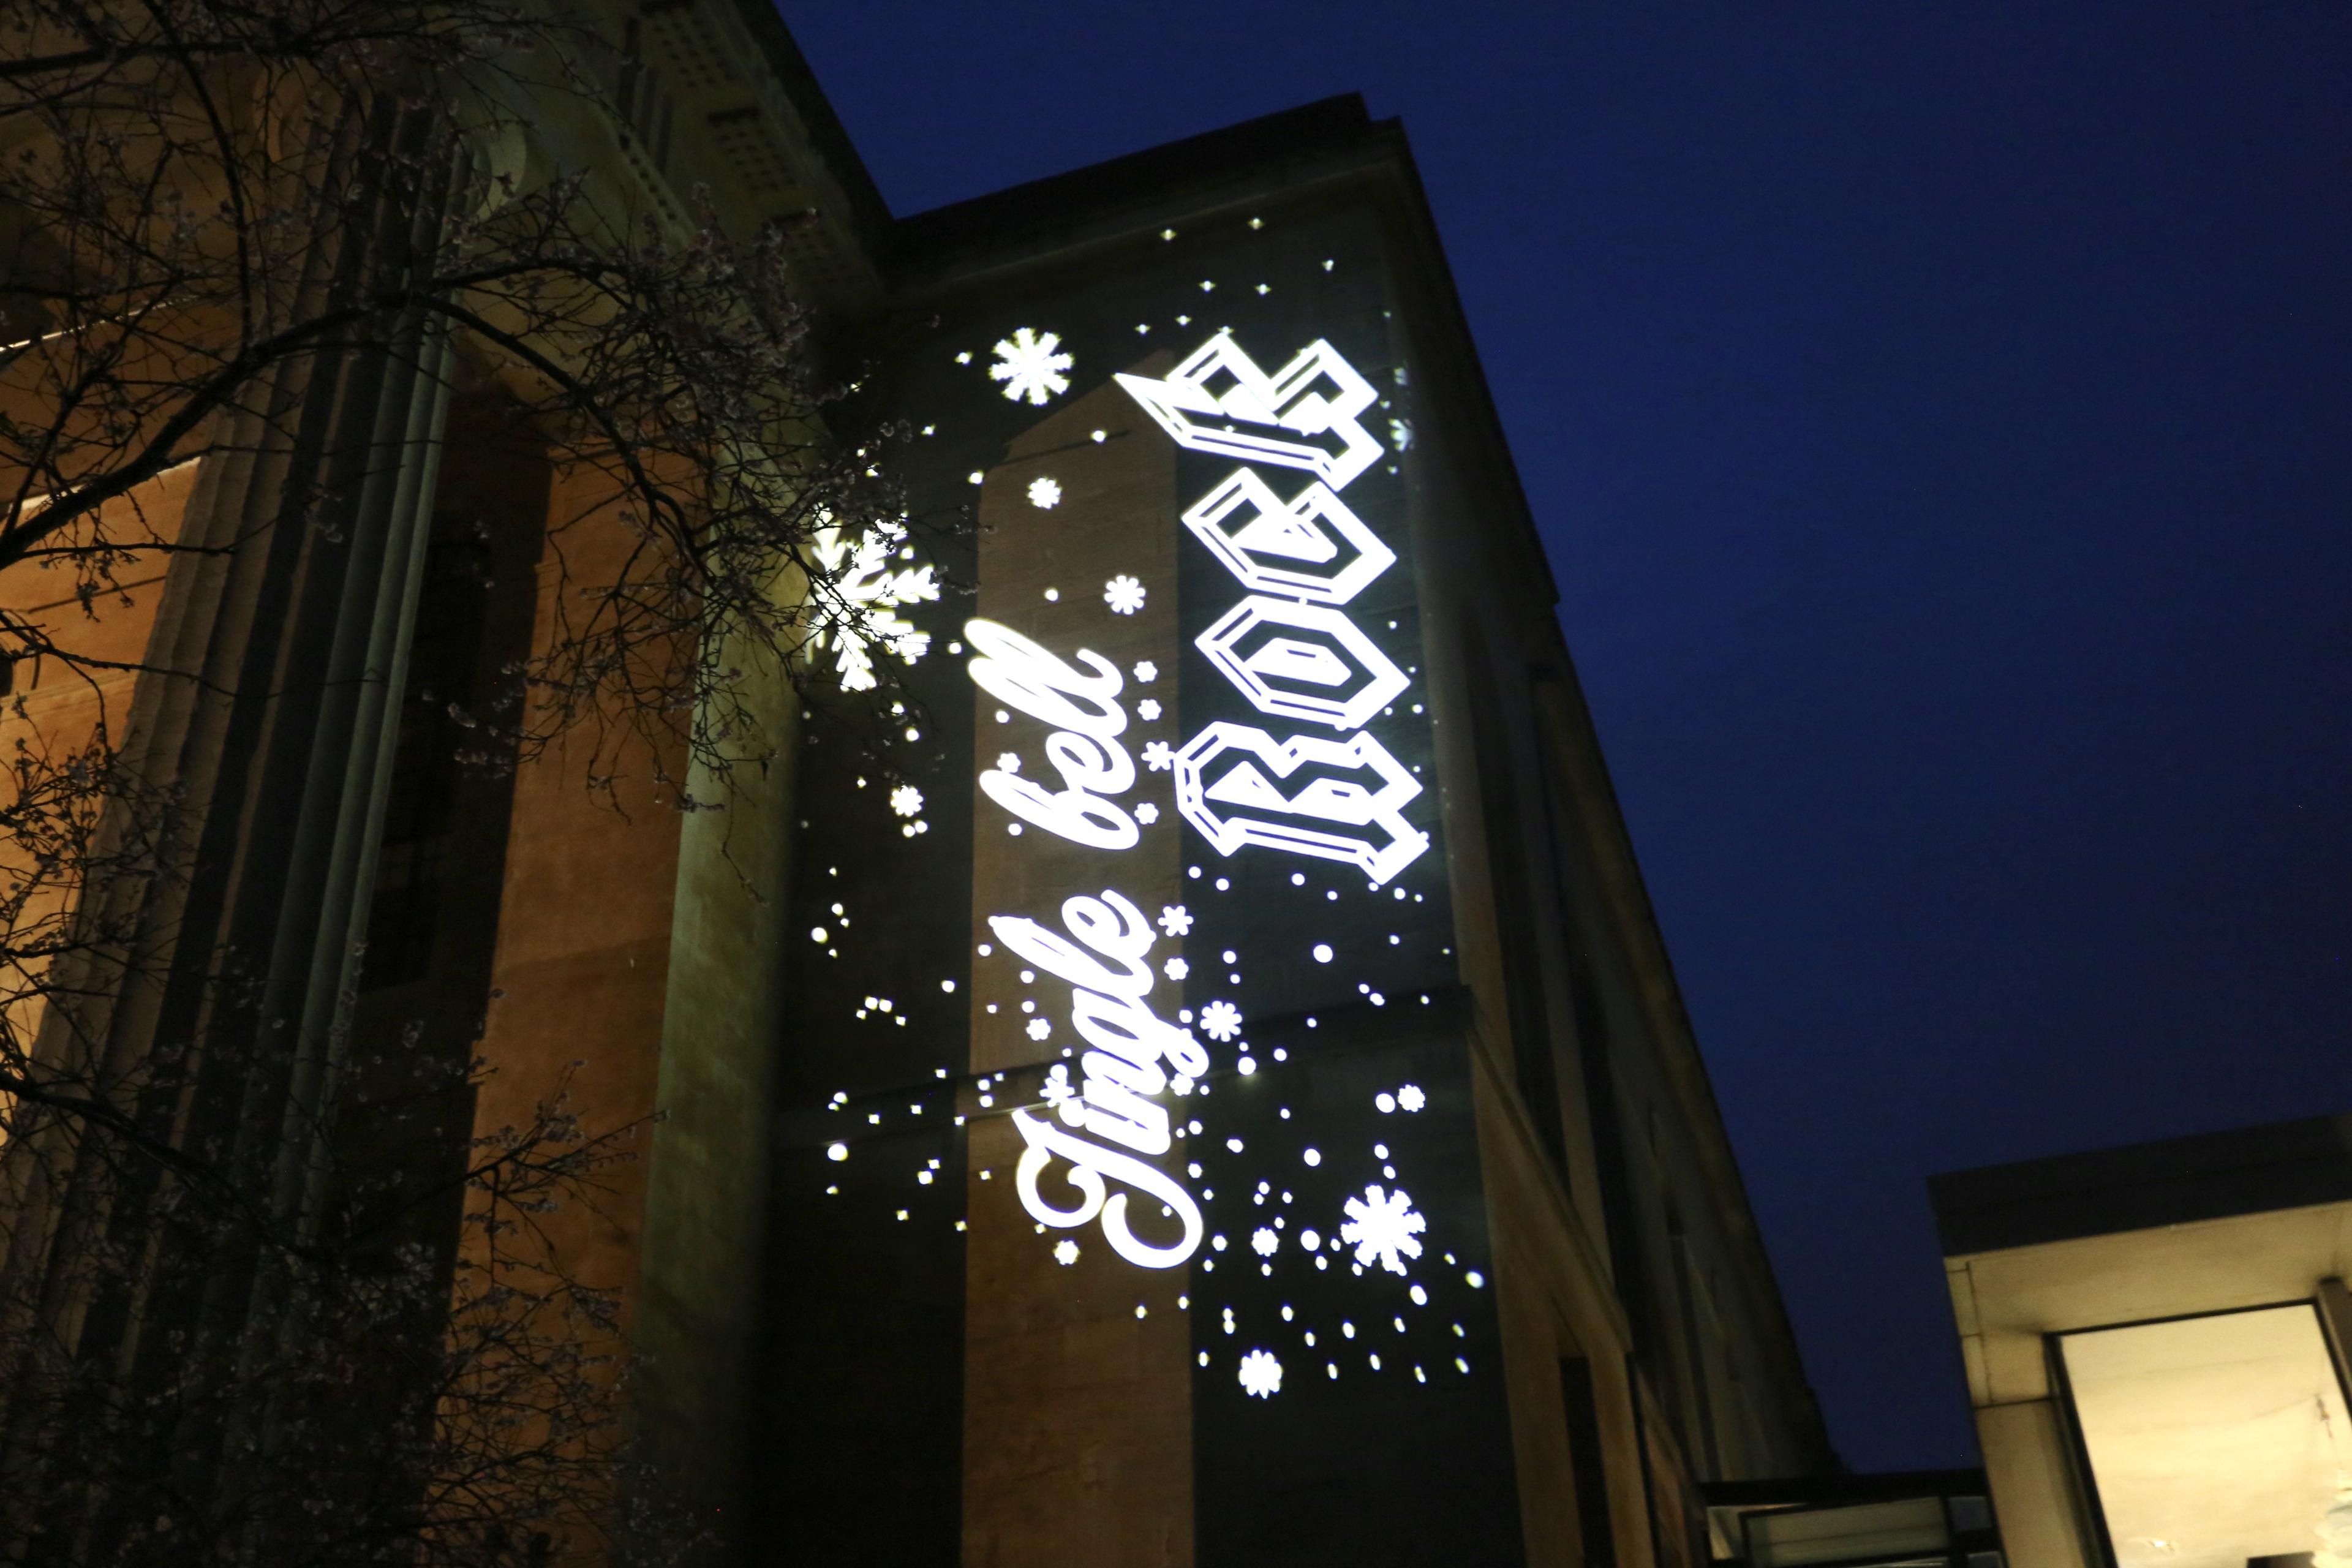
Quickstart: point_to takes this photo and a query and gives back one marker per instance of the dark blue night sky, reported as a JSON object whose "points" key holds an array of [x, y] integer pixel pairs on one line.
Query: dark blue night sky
{"points": [[1941, 418]]}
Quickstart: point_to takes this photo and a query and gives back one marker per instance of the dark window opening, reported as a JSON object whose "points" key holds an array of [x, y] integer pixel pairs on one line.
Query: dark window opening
{"points": [[1610, 1154], [412, 863], [1588, 1470], [1507, 870], [1693, 1347]]}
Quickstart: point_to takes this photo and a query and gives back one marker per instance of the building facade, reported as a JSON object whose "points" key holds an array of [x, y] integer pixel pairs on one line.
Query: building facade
{"points": [[1185, 1074], [1258, 655]]}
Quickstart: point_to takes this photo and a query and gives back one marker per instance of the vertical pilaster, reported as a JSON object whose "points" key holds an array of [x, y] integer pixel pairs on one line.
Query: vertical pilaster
{"points": [[2027, 1466], [268, 708]]}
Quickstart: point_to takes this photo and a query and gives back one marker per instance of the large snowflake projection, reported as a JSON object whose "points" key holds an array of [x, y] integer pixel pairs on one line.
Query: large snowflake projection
{"points": [[1265, 1242], [1260, 1374], [1175, 918], [1221, 1020], [906, 800], [858, 598], [1380, 1227], [1031, 365], [1124, 594]]}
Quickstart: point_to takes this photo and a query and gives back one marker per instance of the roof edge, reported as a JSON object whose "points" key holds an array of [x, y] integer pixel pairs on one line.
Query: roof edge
{"points": [[1153, 176], [828, 137], [2227, 1174]]}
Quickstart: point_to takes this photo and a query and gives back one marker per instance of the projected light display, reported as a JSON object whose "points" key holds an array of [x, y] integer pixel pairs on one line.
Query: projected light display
{"points": [[1294, 653], [1156, 1025], [1103, 1149]]}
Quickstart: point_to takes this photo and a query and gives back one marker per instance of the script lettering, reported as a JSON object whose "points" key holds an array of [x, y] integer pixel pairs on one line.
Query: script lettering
{"points": [[1084, 748], [1108, 970]]}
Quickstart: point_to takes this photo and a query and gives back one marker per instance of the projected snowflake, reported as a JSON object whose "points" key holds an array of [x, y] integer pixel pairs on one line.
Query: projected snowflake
{"points": [[1221, 1021], [1260, 1374], [1175, 918], [1380, 1227], [1044, 494], [906, 800], [858, 601], [1265, 1242], [1031, 365], [1124, 594]]}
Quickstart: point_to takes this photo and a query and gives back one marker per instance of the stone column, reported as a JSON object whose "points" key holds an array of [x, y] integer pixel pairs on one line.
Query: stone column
{"points": [[270, 707]]}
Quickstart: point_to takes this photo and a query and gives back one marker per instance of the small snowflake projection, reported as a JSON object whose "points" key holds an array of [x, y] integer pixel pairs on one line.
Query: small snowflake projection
{"points": [[1146, 672], [1124, 594], [1264, 1242], [1157, 757], [1400, 434], [1039, 1029], [1176, 969], [1146, 812], [857, 596], [1009, 762], [1260, 1374], [1175, 918], [1030, 364], [906, 800], [1147, 709], [1057, 1091], [1044, 494], [1066, 1252], [1221, 1020], [1410, 1097], [1380, 1227]]}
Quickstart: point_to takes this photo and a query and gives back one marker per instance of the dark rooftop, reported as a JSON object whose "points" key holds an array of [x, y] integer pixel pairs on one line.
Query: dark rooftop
{"points": [[2176, 1181]]}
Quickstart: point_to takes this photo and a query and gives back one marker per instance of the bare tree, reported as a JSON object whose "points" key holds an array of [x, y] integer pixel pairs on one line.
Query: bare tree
{"points": [[183, 245], [265, 1296]]}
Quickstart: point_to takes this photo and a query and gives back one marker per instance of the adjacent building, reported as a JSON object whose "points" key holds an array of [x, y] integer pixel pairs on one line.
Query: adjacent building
{"points": [[2156, 1339], [1916, 1519]]}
